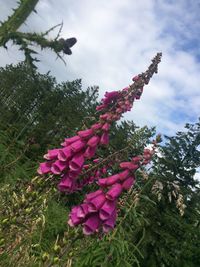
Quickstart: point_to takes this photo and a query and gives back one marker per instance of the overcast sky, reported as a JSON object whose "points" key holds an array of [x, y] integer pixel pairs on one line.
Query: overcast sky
{"points": [[116, 40]]}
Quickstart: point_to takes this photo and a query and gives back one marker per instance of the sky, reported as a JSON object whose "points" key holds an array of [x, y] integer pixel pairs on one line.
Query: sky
{"points": [[116, 40]]}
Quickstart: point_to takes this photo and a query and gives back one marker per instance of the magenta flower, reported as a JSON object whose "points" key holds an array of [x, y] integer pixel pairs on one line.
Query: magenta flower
{"points": [[129, 165], [65, 153], [73, 218], [77, 162], [107, 209], [82, 211], [66, 184], [104, 138], [44, 168], [127, 184], [93, 141], [92, 224], [52, 154], [109, 224], [93, 194], [109, 180], [106, 126], [96, 126], [114, 192], [123, 175], [59, 166], [95, 203], [90, 152], [78, 145], [69, 141], [86, 133], [101, 107]]}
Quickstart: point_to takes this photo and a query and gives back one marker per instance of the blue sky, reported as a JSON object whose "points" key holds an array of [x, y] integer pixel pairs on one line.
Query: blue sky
{"points": [[116, 40]]}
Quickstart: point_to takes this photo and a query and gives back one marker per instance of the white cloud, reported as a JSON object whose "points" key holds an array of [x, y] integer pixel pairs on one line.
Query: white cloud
{"points": [[116, 40]]}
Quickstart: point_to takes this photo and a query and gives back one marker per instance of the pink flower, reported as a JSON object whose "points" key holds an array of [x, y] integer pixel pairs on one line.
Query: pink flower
{"points": [[106, 126], [127, 184], [95, 203], [104, 138], [44, 168], [107, 209], [82, 211], [90, 152], [100, 107], [109, 181], [66, 184], [77, 146], [52, 154], [96, 160], [109, 224], [136, 159], [93, 141], [70, 140], [86, 133], [96, 126], [74, 219], [129, 165], [135, 78], [93, 194], [77, 162], [65, 153], [123, 175], [58, 166], [92, 224], [114, 192], [105, 116]]}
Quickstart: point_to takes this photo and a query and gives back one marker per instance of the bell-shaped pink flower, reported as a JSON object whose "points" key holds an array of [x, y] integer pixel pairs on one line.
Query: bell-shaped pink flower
{"points": [[82, 210], [95, 203], [109, 180], [106, 126], [102, 182], [65, 153], [101, 107], [136, 159], [78, 145], [129, 165], [92, 224], [109, 224], [136, 78], [105, 116], [74, 219], [85, 133], [44, 168], [114, 192], [59, 166], [107, 209], [66, 184], [93, 141], [104, 138], [69, 141], [77, 162], [123, 175], [127, 184], [90, 152], [93, 194], [52, 154], [96, 126], [73, 174]]}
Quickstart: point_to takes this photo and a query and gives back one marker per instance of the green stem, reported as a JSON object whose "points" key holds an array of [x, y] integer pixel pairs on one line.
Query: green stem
{"points": [[16, 19]]}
